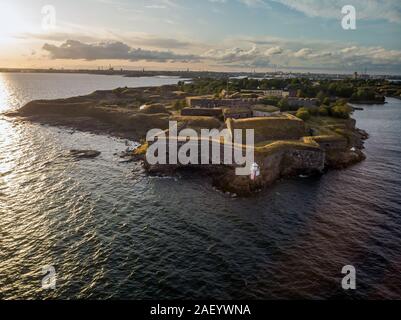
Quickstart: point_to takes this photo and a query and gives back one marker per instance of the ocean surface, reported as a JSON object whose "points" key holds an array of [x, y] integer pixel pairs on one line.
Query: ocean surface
{"points": [[112, 232]]}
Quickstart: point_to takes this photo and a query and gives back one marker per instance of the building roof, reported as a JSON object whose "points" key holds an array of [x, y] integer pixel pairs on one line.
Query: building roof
{"points": [[265, 108], [236, 110]]}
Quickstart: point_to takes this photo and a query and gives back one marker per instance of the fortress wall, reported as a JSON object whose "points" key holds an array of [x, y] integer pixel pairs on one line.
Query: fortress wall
{"points": [[207, 112], [217, 103], [273, 128]]}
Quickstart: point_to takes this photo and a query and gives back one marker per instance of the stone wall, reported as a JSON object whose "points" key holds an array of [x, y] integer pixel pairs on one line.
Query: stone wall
{"points": [[279, 164], [284, 127], [202, 112], [199, 102]]}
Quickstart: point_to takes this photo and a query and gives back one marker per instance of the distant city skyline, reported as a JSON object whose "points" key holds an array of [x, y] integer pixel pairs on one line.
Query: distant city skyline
{"points": [[216, 35]]}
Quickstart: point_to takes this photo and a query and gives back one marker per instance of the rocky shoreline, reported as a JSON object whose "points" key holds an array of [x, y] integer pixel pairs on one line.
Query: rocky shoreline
{"points": [[118, 113], [283, 163]]}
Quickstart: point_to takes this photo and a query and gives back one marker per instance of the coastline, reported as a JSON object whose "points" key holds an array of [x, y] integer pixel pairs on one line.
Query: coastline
{"points": [[117, 113]]}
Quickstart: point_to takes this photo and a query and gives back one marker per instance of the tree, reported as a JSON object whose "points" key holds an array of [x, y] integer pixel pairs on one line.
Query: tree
{"points": [[326, 101], [321, 96], [300, 94], [313, 111], [324, 111], [283, 104], [341, 111], [179, 104], [303, 114]]}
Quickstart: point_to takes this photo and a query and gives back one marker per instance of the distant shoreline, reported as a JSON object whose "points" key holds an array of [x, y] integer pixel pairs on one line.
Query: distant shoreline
{"points": [[191, 74]]}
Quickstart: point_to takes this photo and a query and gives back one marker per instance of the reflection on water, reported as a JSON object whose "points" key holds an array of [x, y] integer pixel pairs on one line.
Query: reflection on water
{"points": [[4, 95], [114, 233]]}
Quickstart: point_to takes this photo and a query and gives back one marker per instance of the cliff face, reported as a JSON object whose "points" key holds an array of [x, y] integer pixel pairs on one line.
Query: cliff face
{"points": [[286, 162], [272, 167], [309, 156]]}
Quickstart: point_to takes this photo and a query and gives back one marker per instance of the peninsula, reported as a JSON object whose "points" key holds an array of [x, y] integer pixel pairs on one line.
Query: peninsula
{"points": [[300, 127]]}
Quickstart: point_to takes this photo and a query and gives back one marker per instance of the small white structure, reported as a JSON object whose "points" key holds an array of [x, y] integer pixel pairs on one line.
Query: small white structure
{"points": [[255, 171]]}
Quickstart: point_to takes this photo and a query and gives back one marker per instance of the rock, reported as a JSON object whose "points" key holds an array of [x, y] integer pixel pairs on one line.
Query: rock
{"points": [[344, 159], [84, 154]]}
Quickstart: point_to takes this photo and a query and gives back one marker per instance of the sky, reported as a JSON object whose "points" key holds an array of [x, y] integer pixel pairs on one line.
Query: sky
{"points": [[219, 35]]}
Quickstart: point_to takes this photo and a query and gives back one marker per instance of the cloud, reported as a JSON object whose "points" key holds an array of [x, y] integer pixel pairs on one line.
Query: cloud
{"points": [[130, 38], [72, 49], [389, 10], [248, 3], [264, 55], [326, 57], [303, 53], [273, 51], [252, 57]]}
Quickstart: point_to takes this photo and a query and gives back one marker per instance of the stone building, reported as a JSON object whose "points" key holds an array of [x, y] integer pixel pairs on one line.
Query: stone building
{"points": [[265, 111], [211, 102], [237, 113], [302, 102], [277, 93]]}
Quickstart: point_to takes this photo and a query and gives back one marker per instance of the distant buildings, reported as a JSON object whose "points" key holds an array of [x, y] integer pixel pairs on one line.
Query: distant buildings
{"points": [[277, 93], [211, 102], [302, 102], [240, 107]]}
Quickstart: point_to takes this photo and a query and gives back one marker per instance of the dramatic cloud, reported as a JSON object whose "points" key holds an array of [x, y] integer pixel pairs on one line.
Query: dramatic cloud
{"points": [[287, 55], [72, 49], [389, 10], [352, 57], [239, 57], [273, 51]]}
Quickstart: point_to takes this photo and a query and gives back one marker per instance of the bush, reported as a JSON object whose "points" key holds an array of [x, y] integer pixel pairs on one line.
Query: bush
{"points": [[314, 111], [323, 111], [303, 114], [363, 94], [340, 102], [179, 105], [327, 101], [341, 111], [283, 105]]}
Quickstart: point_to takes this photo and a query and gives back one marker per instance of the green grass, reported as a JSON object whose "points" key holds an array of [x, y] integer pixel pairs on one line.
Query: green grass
{"points": [[284, 145], [323, 125], [196, 122]]}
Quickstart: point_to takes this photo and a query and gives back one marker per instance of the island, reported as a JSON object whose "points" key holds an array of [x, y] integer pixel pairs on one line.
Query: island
{"points": [[300, 127]]}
